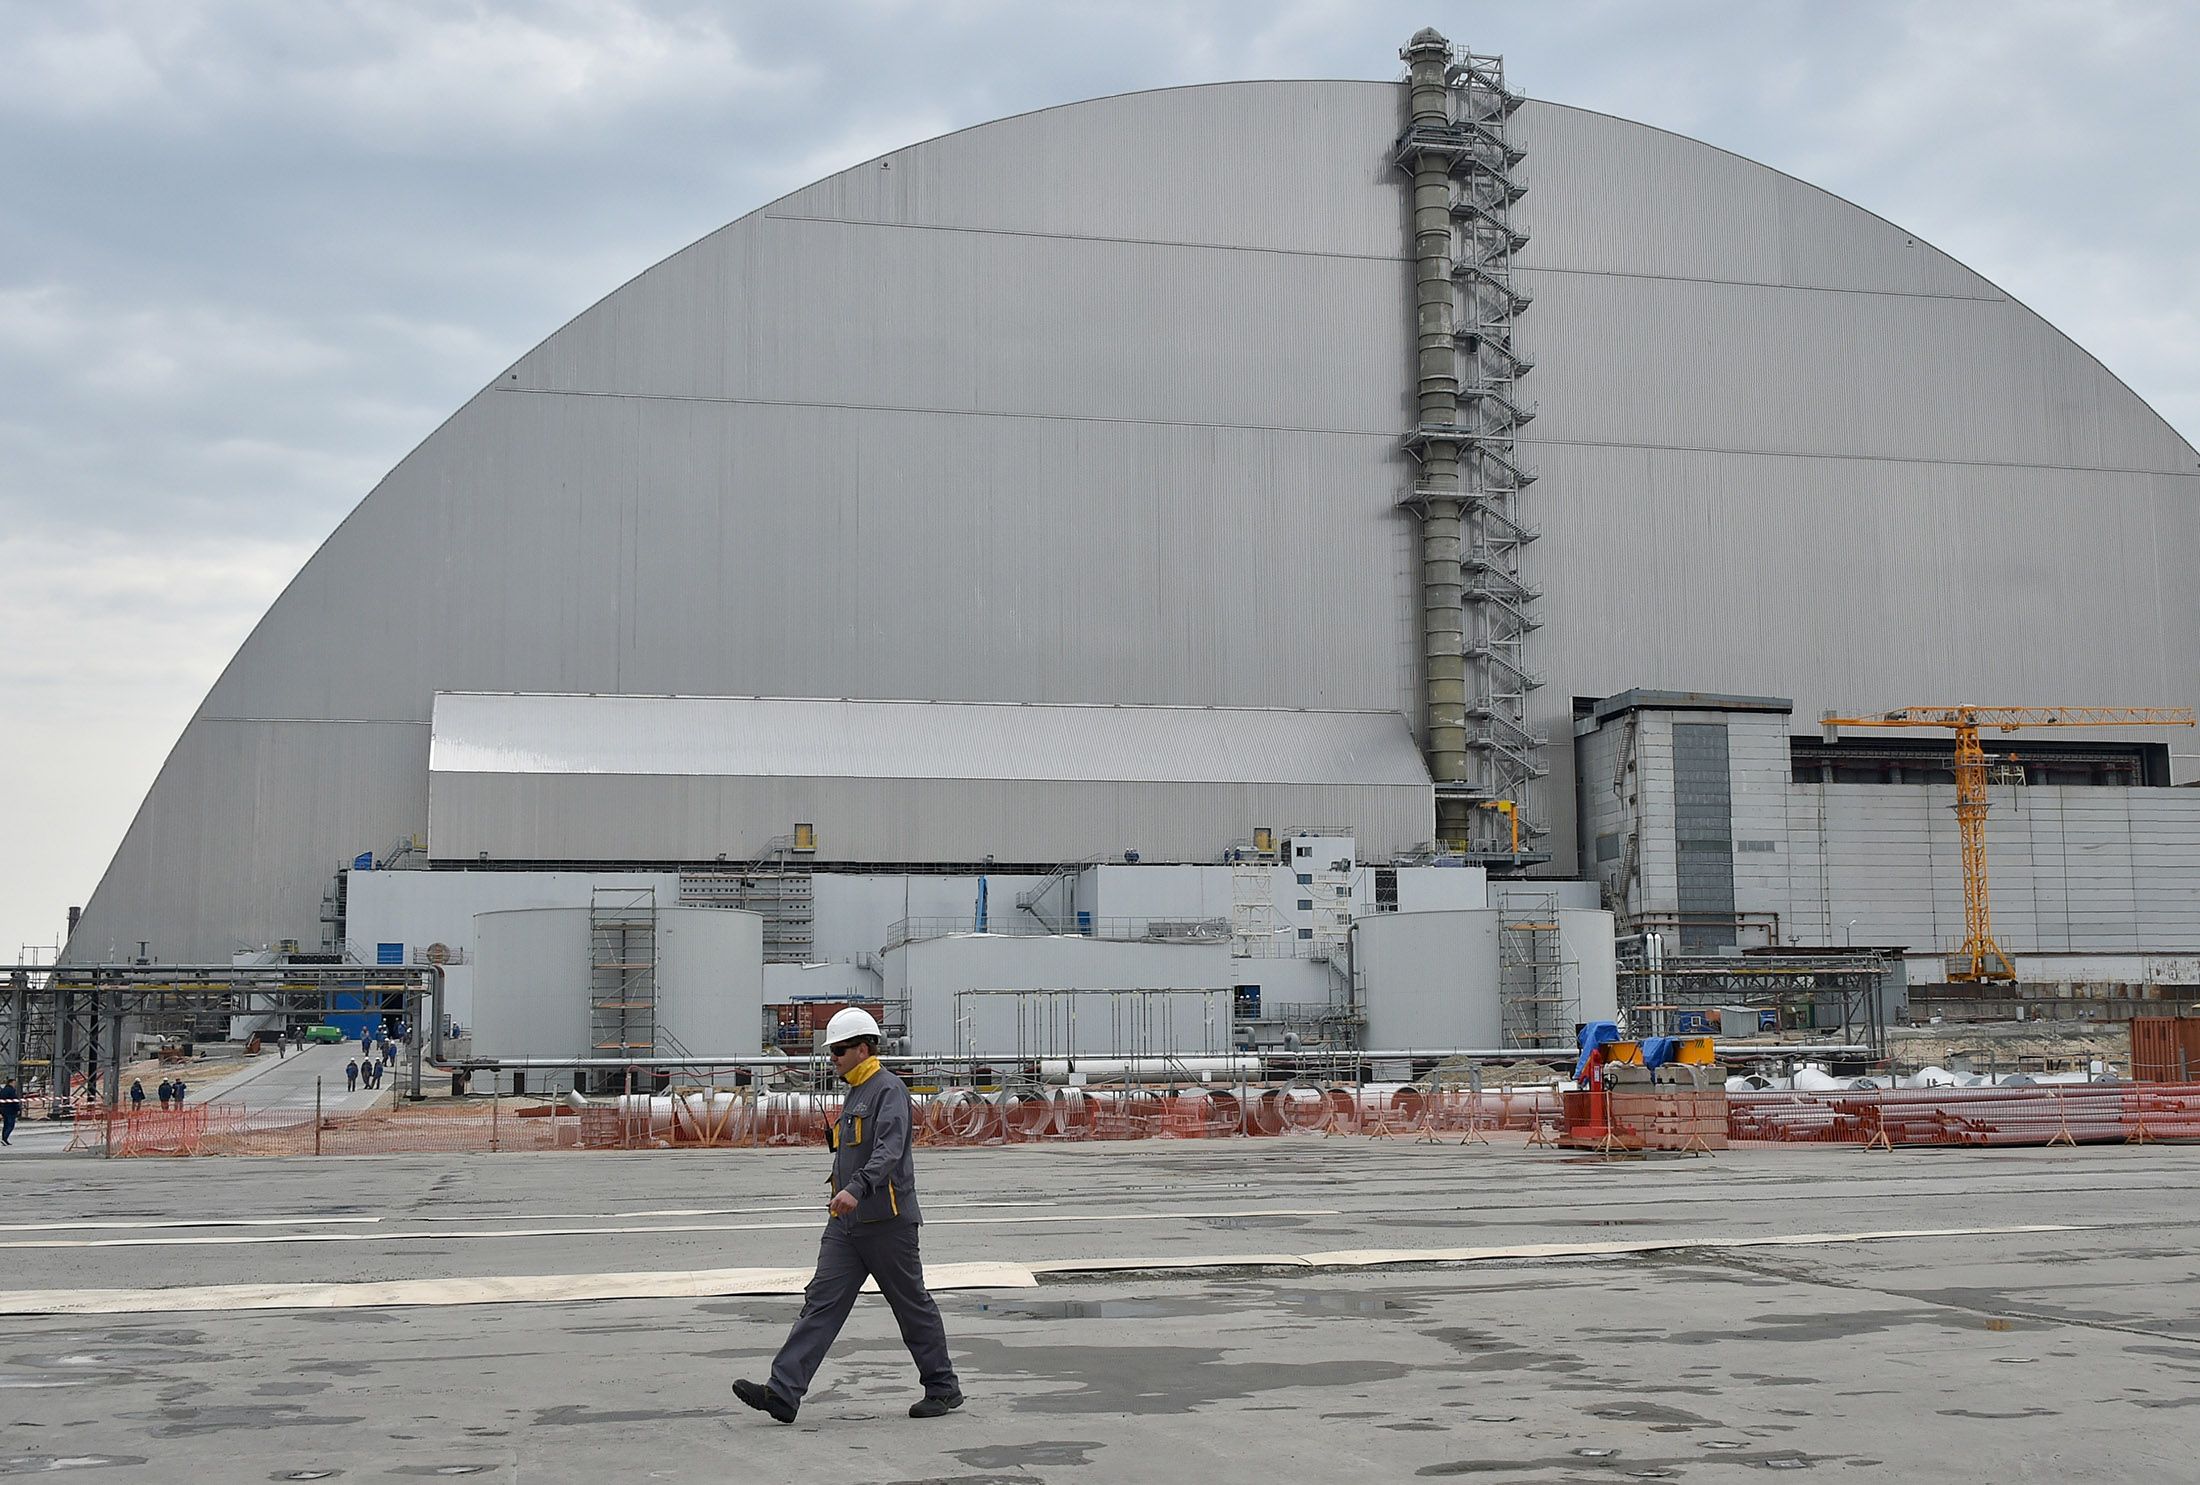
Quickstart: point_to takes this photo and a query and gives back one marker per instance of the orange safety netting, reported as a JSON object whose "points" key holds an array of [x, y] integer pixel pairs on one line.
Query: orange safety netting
{"points": [[2050, 1114], [1653, 1118]]}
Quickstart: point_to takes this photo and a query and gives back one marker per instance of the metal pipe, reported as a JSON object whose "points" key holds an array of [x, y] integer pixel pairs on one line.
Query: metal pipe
{"points": [[1743, 1050], [1443, 608]]}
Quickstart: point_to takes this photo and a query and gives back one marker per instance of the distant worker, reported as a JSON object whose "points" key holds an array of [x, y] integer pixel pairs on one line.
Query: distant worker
{"points": [[11, 1108], [166, 1090], [282, 1046], [351, 1076], [137, 1095], [178, 1092], [870, 1232]]}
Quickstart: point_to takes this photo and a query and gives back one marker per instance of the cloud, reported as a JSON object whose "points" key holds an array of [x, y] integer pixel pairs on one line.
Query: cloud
{"points": [[393, 75], [112, 644]]}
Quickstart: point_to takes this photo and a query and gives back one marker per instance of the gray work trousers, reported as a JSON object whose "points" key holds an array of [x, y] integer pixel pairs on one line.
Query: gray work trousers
{"points": [[847, 1254]]}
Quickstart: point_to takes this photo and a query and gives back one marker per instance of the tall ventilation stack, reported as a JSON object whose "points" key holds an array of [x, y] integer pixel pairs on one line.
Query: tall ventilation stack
{"points": [[1477, 611]]}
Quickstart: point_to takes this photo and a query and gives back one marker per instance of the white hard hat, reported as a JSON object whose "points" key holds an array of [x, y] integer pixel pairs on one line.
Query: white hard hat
{"points": [[849, 1024]]}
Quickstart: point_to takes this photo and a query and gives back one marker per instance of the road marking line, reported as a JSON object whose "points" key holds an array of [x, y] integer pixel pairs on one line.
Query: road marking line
{"points": [[100, 1226], [238, 1240], [714, 1283], [525, 1289], [1378, 1257]]}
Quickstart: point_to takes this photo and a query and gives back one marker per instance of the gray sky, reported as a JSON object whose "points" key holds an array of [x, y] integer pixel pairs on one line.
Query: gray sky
{"points": [[255, 251]]}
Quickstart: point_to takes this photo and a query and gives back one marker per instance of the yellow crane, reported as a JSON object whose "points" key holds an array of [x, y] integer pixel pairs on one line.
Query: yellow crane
{"points": [[1982, 958]]}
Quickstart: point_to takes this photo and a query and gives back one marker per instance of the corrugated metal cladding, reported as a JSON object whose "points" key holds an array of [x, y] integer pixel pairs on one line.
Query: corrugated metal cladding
{"points": [[664, 777], [1102, 404], [788, 737]]}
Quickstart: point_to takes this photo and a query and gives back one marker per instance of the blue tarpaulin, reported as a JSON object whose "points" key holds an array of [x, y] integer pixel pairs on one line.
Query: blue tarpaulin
{"points": [[1659, 1050], [1594, 1035]]}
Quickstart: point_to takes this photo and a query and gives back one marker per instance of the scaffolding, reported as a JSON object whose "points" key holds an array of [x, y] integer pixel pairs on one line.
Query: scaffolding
{"points": [[786, 900], [1793, 998], [1465, 443], [622, 979], [1252, 909], [1539, 991]]}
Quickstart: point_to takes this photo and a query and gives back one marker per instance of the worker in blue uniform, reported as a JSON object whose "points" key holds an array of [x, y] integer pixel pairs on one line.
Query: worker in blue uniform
{"points": [[870, 1232]]}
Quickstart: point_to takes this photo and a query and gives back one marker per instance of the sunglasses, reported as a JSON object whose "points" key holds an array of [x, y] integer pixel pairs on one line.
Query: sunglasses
{"points": [[842, 1049]]}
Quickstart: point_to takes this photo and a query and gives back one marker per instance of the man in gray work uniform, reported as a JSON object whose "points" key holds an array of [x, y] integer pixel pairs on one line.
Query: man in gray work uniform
{"points": [[871, 1232]]}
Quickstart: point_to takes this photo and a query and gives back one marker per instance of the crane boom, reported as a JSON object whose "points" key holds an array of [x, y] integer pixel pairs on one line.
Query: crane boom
{"points": [[1983, 958], [2010, 718]]}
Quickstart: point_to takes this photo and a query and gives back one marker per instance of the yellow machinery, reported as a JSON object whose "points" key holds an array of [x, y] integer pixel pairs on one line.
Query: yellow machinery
{"points": [[1982, 958], [1511, 812]]}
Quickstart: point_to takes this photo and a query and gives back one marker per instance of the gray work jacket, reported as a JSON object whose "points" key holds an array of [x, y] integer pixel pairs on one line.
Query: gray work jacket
{"points": [[872, 1154]]}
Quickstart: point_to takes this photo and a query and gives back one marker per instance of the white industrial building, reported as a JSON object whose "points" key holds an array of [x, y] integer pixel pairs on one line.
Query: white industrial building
{"points": [[1045, 531]]}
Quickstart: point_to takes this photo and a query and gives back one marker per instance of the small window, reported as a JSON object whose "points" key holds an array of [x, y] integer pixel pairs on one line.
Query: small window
{"points": [[1304, 852], [1306, 933], [1306, 904], [1306, 879], [1343, 891]]}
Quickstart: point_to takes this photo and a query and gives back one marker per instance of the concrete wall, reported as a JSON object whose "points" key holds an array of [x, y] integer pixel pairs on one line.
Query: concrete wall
{"points": [[531, 982], [931, 974], [2072, 869], [1585, 944], [1431, 980]]}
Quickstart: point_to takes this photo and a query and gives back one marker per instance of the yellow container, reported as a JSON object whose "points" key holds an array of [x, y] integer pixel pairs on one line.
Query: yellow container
{"points": [[1696, 1049]]}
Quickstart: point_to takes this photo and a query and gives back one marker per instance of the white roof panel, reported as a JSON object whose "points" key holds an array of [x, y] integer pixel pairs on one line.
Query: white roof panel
{"points": [[779, 737]]}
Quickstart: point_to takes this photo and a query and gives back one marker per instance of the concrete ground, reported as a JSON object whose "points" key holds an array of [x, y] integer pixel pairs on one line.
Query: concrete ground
{"points": [[269, 1081], [286, 1081], [1980, 1353]]}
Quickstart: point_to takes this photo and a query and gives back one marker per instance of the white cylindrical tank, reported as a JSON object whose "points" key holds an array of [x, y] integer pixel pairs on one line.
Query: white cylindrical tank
{"points": [[531, 982], [1430, 979], [1585, 942], [710, 980]]}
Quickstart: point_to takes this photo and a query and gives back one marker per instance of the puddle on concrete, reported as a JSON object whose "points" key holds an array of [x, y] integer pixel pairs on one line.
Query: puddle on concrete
{"points": [[1488, 1353], [1149, 1380], [1643, 1469], [2001, 1417], [1652, 1413], [1026, 1456], [1097, 1309], [571, 1413], [181, 1423]]}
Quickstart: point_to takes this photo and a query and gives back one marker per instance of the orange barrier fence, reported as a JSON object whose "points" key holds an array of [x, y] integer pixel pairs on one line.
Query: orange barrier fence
{"points": [[1652, 1118], [2052, 1114]]}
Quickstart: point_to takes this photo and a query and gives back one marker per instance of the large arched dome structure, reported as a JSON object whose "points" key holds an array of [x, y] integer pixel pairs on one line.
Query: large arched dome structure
{"points": [[1106, 403]]}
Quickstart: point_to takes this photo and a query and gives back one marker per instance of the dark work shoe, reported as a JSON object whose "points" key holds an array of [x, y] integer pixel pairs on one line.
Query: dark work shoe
{"points": [[760, 1397], [936, 1407]]}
